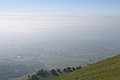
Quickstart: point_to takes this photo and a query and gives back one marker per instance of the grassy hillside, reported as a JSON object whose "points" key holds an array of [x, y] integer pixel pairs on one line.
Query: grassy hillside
{"points": [[108, 69]]}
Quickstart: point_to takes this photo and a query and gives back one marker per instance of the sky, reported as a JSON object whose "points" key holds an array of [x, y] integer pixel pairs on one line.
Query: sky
{"points": [[62, 7], [33, 15]]}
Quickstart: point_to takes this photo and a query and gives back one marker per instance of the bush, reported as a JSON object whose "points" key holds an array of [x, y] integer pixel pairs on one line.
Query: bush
{"points": [[35, 77], [69, 69], [73, 69], [78, 67], [41, 73], [59, 71], [46, 72], [65, 70], [53, 72]]}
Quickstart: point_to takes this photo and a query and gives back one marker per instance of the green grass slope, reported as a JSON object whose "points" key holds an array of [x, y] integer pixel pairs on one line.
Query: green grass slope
{"points": [[108, 69]]}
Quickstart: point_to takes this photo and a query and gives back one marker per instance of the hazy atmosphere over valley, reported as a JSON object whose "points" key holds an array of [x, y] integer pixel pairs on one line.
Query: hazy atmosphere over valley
{"points": [[46, 34]]}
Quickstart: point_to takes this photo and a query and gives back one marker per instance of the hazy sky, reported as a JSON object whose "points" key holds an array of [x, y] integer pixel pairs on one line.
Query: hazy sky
{"points": [[58, 7], [32, 15]]}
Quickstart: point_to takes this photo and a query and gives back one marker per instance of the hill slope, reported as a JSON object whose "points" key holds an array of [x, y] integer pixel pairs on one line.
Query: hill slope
{"points": [[108, 69]]}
